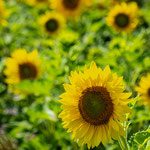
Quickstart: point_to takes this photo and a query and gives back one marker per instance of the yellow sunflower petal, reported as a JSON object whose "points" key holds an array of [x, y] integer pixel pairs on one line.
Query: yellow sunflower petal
{"points": [[144, 90]]}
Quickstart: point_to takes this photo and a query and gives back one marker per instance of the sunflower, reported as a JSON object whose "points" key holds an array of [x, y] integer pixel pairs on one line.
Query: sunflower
{"points": [[93, 106], [144, 90], [21, 66], [123, 17], [3, 14], [38, 2], [114, 2], [69, 7], [52, 22], [101, 4]]}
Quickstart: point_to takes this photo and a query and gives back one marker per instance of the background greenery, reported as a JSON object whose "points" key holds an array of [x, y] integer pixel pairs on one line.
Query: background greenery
{"points": [[30, 122]]}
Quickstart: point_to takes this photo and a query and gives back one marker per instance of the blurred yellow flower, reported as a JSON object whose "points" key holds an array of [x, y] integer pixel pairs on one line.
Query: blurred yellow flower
{"points": [[37, 2], [123, 17], [22, 65], [144, 90], [52, 23], [69, 7], [102, 4], [89, 3], [93, 105], [114, 2], [3, 14]]}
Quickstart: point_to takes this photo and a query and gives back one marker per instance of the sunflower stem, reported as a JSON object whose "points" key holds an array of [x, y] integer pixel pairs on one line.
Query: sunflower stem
{"points": [[123, 143]]}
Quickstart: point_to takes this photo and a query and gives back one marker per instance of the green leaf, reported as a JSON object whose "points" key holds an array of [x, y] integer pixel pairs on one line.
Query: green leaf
{"points": [[19, 128], [37, 87], [41, 115], [142, 137], [2, 87]]}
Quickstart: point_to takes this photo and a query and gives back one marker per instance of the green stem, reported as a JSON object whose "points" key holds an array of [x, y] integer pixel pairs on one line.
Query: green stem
{"points": [[140, 148], [123, 143]]}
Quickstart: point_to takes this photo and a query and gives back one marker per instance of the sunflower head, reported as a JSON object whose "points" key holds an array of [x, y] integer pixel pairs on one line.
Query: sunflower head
{"points": [[93, 106], [52, 23], [3, 14], [123, 17], [144, 90], [69, 7], [22, 66]]}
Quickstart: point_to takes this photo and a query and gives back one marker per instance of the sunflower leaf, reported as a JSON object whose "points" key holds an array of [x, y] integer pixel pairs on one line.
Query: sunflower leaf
{"points": [[142, 137]]}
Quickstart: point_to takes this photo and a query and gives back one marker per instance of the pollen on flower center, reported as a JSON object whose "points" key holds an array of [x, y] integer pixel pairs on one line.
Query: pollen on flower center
{"points": [[27, 71], [71, 4], [51, 25], [95, 105], [122, 20]]}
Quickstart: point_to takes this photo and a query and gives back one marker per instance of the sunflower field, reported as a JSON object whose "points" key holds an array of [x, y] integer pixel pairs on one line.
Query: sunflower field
{"points": [[74, 74]]}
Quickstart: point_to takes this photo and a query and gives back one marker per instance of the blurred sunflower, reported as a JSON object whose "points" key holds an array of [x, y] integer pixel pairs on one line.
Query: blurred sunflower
{"points": [[101, 4], [3, 14], [69, 7], [144, 90], [114, 2], [52, 23], [93, 104], [89, 3], [22, 65], [37, 2], [123, 17]]}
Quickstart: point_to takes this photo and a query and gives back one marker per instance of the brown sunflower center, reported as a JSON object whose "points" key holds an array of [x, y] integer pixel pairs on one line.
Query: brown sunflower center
{"points": [[70, 4], [51, 25], [27, 71], [122, 20], [148, 92], [95, 105]]}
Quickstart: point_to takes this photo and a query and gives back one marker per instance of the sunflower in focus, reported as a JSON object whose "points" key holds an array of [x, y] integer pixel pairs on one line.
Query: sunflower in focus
{"points": [[93, 106], [52, 23], [69, 7], [3, 14], [22, 66], [144, 90], [123, 17], [38, 2]]}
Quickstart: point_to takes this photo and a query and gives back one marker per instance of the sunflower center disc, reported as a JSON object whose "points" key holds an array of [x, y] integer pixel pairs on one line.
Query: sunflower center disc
{"points": [[95, 105], [122, 20], [27, 71], [51, 25], [148, 92], [71, 4]]}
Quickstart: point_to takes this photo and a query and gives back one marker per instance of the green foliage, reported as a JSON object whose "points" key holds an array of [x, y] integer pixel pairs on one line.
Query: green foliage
{"points": [[29, 119], [142, 137]]}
